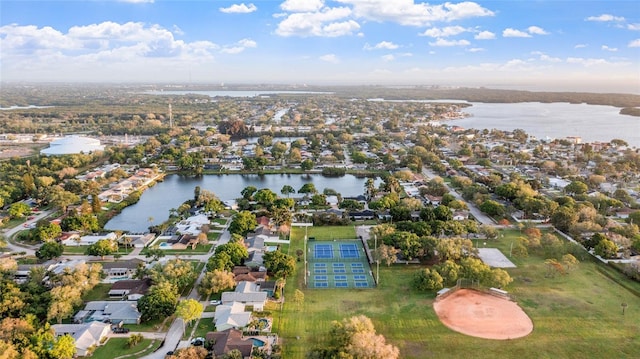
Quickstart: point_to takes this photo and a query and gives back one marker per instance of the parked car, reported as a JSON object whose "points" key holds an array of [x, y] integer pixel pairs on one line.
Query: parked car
{"points": [[198, 342], [120, 330], [215, 302]]}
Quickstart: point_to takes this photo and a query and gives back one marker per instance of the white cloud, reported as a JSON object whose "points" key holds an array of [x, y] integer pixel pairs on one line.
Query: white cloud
{"points": [[382, 45], [535, 30], [633, 27], [238, 9], [446, 43], [544, 57], [331, 58], [485, 35], [323, 23], [607, 48], [605, 18], [634, 43], [302, 5], [388, 58], [476, 49], [444, 32], [586, 62], [580, 46], [514, 33], [407, 12], [239, 47]]}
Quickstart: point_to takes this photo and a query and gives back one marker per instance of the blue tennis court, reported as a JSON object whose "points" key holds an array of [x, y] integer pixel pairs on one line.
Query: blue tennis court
{"points": [[323, 251], [349, 251], [348, 268]]}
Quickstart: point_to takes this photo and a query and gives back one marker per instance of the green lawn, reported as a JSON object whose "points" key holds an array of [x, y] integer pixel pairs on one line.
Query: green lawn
{"points": [[157, 325], [99, 292], [116, 347], [213, 236], [577, 315], [75, 249], [329, 232]]}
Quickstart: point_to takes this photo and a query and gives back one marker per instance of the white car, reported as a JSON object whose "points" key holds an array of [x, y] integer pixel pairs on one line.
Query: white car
{"points": [[215, 302]]}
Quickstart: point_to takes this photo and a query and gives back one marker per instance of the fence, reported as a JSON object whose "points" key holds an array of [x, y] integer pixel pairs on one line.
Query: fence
{"points": [[464, 283]]}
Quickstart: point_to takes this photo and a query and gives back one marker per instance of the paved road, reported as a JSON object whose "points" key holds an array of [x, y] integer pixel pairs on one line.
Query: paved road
{"points": [[481, 217], [9, 233]]}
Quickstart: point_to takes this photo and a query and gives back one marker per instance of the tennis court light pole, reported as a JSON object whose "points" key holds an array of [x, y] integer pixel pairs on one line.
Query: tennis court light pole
{"points": [[375, 238], [305, 256]]}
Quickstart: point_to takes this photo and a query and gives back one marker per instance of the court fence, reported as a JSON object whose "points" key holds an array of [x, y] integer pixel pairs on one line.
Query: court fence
{"points": [[465, 283]]}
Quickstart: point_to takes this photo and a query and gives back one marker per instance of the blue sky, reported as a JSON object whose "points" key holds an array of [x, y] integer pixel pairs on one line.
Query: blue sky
{"points": [[538, 45]]}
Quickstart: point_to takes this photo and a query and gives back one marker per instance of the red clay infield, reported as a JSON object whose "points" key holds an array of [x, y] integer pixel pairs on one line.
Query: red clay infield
{"points": [[483, 315]]}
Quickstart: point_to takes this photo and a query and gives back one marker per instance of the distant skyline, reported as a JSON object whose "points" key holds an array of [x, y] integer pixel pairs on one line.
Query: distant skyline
{"points": [[551, 45]]}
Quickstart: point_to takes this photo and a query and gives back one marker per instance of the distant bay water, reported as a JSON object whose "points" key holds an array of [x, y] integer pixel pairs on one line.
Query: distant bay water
{"points": [[593, 123]]}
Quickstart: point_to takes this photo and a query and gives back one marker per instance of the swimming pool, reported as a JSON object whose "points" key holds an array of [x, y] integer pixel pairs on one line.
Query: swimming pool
{"points": [[257, 342]]}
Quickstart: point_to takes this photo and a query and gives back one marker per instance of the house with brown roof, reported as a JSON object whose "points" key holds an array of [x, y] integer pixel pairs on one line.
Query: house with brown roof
{"points": [[228, 340], [130, 289]]}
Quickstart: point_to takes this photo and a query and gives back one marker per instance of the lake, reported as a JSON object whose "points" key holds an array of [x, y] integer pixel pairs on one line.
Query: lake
{"points": [[156, 201], [594, 123]]}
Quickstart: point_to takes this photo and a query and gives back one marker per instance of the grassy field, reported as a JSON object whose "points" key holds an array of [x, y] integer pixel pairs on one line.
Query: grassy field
{"points": [[99, 292], [116, 347], [578, 315]]}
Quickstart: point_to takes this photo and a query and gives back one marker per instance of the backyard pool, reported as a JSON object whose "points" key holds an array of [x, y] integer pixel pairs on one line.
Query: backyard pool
{"points": [[257, 342]]}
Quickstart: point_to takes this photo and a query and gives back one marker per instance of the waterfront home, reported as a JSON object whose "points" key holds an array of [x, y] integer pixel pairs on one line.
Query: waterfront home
{"points": [[91, 239]]}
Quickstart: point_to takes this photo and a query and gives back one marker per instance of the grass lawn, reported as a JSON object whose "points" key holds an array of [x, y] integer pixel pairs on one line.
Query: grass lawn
{"points": [[116, 347], [75, 249], [99, 292], [151, 326], [213, 236], [328, 232], [577, 315]]}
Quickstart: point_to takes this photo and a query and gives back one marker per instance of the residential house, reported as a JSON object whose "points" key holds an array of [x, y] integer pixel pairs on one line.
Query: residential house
{"points": [[125, 312], [192, 224], [91, 239], [246, 274], [362, 215], [231, 315], [86, 335], [132, 289], [137, 240], [121, 269], [247, 293], [228, 340]]}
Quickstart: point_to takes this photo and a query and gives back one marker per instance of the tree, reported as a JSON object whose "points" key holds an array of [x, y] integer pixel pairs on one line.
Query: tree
{"points": [[189, 310], [564, 218], [194, 352], [175, 271], [64, 347], [134, 339], [159, 302], [606, 249], [62, 198], [492, 208], [576, 188], [154, 252], [247, 192], [287, 190], [279, 263], [102, 248], [18, 209], [428, 279], [50, 250], [306, 165], [236, 251], [243, 222], [46, 231], [308, 188], [265, 197], [216, 281], [220, 261], [356, 337], [387, 254]]}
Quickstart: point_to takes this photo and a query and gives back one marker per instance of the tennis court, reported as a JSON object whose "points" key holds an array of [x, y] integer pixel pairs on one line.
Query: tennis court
{"points": [[338, 264]]}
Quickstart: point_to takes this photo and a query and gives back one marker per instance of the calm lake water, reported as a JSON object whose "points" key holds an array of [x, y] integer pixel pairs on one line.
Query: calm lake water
{"points": [[156, 201], [555, 120]]}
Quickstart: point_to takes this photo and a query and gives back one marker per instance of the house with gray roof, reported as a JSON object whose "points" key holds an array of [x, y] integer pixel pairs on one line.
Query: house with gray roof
{"points": [[247, 293], [125, 312], [86, 335]]}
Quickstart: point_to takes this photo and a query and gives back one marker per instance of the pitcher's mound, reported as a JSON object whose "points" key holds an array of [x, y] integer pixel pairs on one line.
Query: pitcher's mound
{"points": [[483, 315]]}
